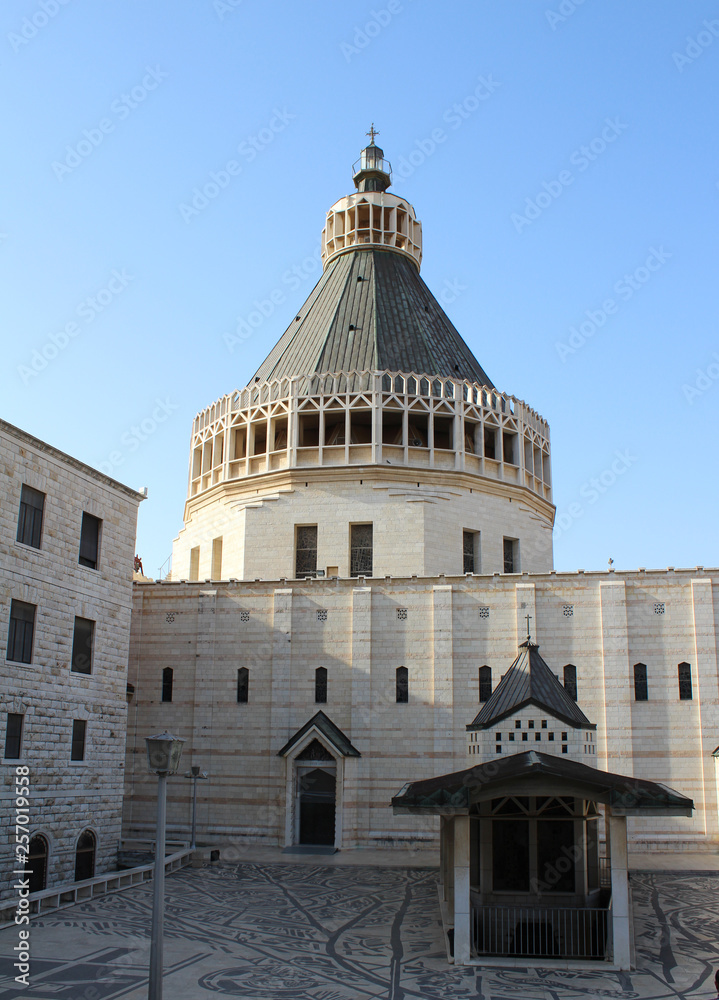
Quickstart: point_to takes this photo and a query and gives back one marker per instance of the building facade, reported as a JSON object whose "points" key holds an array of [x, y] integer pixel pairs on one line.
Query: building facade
{"points": [[67, 536], [367, 527]]}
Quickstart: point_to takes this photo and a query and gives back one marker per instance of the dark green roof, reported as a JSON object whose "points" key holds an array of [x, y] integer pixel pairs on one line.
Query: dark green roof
{"points": [[518, 774], [329, 730], [529, 681], [397, 324]]}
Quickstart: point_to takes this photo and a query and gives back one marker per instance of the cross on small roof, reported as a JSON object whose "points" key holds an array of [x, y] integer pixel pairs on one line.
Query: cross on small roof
{"points": [[372, 133], [529, 618]]}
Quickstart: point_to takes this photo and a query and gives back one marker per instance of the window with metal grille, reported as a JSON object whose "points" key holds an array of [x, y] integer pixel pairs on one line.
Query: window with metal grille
{"points": [[685, 681], [244, 616], [13, 736], [570, 680], [484, 612], [485, 683], [243, 685], [20, 633], [468, 551], [641, 689], [167, 682], [361, 550], [402, 685], [306, 551], [77, 751], [568, 610], [511, 555], [402, 614], [82, 640], [320, 686], [89, 540], [322, 615], [29, 523], [659, 608]]}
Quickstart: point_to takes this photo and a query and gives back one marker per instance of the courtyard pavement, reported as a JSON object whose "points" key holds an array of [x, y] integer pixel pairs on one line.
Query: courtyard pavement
{"points": [[309, 930]]}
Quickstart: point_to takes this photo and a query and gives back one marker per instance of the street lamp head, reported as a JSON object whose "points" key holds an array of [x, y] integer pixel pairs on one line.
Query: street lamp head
{"points": [[163, 753]]}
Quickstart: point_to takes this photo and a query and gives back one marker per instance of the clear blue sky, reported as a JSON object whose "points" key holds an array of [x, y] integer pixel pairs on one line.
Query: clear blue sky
{"points": [[636, 83]]}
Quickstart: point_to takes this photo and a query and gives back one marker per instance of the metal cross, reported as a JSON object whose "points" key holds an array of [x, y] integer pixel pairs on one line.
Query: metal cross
{"points": [[529, 618], [372, 133]]}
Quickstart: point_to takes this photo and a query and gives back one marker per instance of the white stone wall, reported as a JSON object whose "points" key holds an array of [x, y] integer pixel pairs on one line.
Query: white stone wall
{"points": [[417, 528], [601, 622], [67, 797]]}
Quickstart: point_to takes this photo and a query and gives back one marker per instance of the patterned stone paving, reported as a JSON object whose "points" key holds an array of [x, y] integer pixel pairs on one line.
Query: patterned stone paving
{"points": [[313, 932]]}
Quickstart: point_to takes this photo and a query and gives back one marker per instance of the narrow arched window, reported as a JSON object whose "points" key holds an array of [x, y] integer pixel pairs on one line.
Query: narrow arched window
{"points": [[243, 685], [485, 683], [641, 687], [36, 865], [570, 680], [85, 856], [402, 685], [320, 686], [167, 678], [685, 681]]}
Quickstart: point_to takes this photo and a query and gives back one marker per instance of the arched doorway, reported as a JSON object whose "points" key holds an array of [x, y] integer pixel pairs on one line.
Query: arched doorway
{"points": [[316, 795], [36, 867], [85, 856]]}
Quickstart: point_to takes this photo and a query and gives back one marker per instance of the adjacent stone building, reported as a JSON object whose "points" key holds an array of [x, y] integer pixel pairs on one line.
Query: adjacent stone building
{"points": [[367, 532], [67, 536]]}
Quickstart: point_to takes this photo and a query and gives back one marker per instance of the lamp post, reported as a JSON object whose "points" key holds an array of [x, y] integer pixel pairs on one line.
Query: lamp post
{"points": [[163, 758], [197, 775]]}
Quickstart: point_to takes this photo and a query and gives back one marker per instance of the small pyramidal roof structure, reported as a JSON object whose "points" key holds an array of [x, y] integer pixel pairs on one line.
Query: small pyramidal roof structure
{"points": [[529, 681], [371, 310]]}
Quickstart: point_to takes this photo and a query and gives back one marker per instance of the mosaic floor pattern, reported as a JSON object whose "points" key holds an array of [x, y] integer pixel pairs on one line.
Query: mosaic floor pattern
{"points": [[308, 932]]}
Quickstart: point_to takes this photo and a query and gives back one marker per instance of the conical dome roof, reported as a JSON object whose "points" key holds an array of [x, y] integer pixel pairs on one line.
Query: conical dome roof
{"points": [[371, 310]]}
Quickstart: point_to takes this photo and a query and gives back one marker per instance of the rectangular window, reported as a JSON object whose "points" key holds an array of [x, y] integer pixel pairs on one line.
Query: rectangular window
{"points": [[13, 736], [29, 524], [401, 686], [510, 855], [511, 555], [306, 551], [243, 685], [78, 739], [195, 563], [641, 689], [470, 551], [89, 540], [216, 567], [685, 682], [321, 686], [361, 550], [555, 840], [485, 683], [82, 640], [20, 634]]}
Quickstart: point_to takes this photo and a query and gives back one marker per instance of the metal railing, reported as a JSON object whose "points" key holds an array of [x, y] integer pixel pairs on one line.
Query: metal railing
{"points": [[540, 931], [69, 893]]}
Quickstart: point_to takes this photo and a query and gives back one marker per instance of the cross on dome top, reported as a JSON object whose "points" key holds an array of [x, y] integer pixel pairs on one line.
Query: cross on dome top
{"points": [[372, 133]]}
